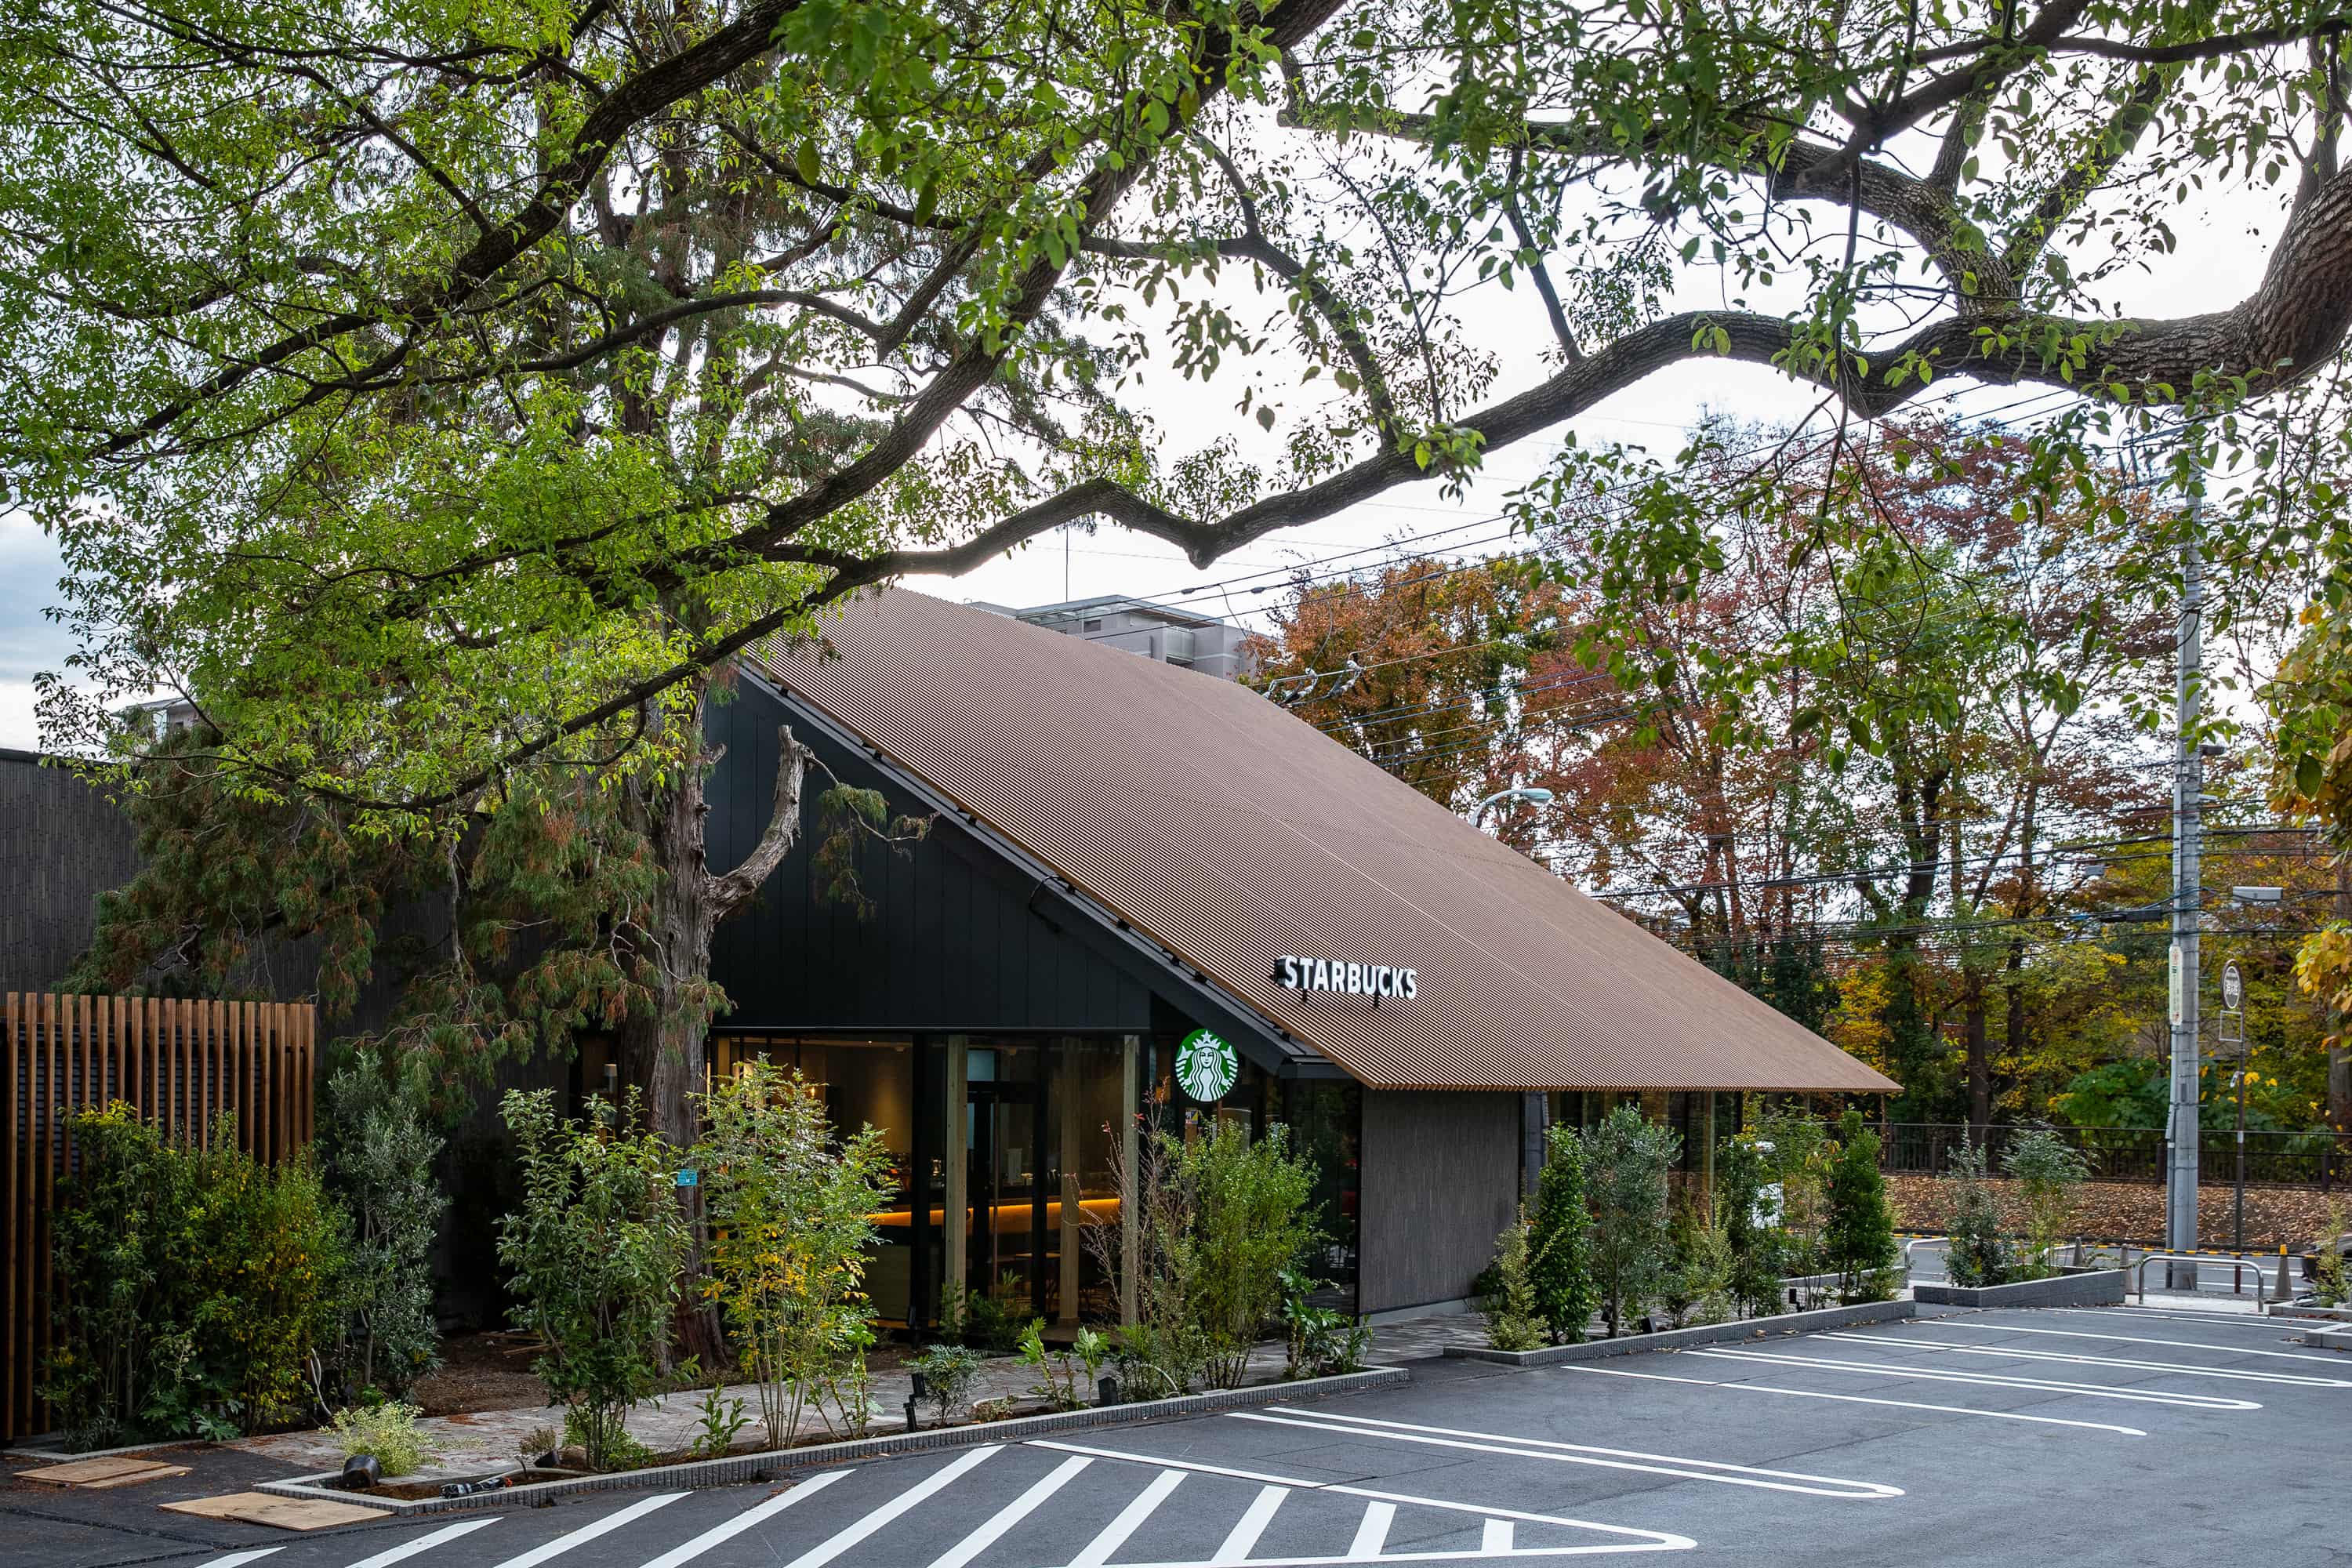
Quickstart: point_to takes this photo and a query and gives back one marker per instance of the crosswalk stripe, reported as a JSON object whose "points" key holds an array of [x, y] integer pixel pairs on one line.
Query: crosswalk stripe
{"points": [[588, 1532], [686, 1552], [407, 1548], [239, 1559], [1130, 1519], [1252, 1525], [1373, 1533], [938, 1480], [1011, 1514]]}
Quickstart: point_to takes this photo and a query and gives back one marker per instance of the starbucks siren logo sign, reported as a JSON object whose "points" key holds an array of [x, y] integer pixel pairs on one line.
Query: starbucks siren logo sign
{"points": [[1206, 1065]]}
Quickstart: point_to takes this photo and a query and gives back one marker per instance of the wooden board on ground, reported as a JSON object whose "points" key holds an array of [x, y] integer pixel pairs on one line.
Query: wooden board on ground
{"points": [[285, 1513], [121, 1471]]}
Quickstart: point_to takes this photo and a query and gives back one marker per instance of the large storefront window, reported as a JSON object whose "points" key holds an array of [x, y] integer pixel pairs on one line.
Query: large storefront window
{"points": [[1325, 1119]]}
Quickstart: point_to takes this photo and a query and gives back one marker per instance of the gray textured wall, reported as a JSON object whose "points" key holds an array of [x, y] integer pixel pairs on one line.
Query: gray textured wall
{"points": [[1441, 1179], [61, 844]]}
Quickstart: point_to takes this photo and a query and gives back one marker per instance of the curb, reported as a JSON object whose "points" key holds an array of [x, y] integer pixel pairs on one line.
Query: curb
{"points": [[1705, 1334], [776, 1462], [2102, 1287]]}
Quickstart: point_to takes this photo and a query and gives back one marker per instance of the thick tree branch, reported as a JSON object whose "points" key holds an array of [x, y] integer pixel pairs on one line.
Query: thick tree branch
{"points": [[783, 830]]}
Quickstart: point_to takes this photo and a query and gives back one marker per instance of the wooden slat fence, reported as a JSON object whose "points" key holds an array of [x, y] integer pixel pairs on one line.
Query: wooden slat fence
{"points": [[180, 1062]]}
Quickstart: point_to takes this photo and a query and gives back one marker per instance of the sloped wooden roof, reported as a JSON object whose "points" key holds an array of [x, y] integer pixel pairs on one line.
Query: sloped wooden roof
{"points": [[1232, 833]]}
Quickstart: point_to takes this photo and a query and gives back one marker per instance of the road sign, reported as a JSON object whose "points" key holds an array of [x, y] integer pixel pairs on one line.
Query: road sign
{"points": [[2233, 989]]}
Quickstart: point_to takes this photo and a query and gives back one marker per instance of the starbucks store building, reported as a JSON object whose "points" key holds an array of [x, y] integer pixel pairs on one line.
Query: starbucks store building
{"points": [[1147, 896]]}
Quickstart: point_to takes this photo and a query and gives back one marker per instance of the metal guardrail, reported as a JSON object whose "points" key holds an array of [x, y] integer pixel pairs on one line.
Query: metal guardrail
{"points": [[2139, 1273]]}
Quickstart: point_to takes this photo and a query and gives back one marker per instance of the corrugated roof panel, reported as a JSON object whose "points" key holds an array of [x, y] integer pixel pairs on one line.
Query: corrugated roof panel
{"points": [[1233, 832]]}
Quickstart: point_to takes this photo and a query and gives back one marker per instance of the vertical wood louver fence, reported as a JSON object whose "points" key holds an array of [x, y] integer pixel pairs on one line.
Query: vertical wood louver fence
{"points": [[180, 1063]]}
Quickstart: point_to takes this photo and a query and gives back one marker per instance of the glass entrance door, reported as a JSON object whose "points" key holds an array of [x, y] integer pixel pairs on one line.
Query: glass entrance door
{"points": [[1005, 1234]]}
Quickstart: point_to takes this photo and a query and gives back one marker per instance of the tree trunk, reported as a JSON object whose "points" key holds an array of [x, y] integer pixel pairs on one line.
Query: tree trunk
{"points": [[662, 1045], [1979, 1058]]}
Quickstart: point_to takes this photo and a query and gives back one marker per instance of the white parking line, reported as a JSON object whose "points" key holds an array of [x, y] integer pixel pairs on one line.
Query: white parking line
{"points": [[1583, 1453], [1130, 1519], [727, 1529], [1861, 1399], [938, 1480], [1011, 1514], [1989, 1380], [1946, 1347], [239, 1559], [588, 1532], [1640, 1540], [2203, 1320], [1373, 1533], [2334, 1358], [407, 1548], [1250, 1525]]}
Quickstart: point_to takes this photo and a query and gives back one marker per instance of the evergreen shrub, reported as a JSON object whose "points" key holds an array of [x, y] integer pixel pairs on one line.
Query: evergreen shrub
{"points": [[1513, 1323], [1750, 1235], [1559, 1240], [378, 1161], [1626, 1159], [2048, 1172], [1976, 1254], [195, 1284], [1858, 1238], [594, 1256]]}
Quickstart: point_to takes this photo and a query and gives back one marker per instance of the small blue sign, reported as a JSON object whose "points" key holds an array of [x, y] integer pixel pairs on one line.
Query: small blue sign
{"points": [[689, 1177]]}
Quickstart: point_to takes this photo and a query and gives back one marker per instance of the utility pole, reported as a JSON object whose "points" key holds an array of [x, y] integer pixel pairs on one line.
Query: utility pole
{"points": [[2188, 786]]}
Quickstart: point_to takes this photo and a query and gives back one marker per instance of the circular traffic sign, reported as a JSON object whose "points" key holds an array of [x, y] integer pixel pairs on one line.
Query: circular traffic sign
{"points": [[2233, 989], [1206, 1065]]}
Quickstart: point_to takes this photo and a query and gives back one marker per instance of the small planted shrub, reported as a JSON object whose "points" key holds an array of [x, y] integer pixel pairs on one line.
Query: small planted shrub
{"points": [[947, 1373], [1751, 1236], [1559, 1240], [1251, 1220], [1513, 1323], [593, 1256], [1626, 1159], [2048, 1172], [1693, 1285], [1976, 1253], [379, 1152], [198, 1283], [1066, 1378], [386, 1431], [789, 1210], [1318, 1341], [1858, 1238]]}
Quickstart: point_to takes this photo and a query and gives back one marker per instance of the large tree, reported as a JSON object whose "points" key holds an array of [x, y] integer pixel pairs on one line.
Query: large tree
{"points": [[437, 393]]}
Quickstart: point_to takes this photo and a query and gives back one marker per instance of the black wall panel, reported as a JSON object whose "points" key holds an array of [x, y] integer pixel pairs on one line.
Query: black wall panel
{"points": [[950, 943]]}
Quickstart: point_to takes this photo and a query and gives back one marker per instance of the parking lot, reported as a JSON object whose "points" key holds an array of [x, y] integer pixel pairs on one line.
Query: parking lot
{"points": [[2107, 1435]]}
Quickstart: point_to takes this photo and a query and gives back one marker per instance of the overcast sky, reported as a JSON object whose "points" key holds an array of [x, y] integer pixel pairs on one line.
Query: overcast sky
{"points": [[2224, 246]]}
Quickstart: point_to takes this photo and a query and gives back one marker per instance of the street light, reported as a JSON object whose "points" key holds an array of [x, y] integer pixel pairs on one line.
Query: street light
{"points": [[1532, 796]]}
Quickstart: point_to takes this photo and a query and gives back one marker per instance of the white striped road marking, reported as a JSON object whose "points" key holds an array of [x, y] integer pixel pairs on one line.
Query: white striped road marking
{"points": [[1581, 1453], [1495, 1541], [758, 1513], [407, 1548], [1989, 1380], [1130, 1519], [239, 1559], [1011, 1514], [1373, 1532], [2334, 1358], [2182, 1369], [938, 1480], [1641, 1539], [1860, 1399], [1250, 1525], [588, 1532], [2219, 1317]]}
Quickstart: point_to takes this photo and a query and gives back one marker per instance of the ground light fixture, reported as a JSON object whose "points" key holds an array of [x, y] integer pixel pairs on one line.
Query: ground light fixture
{"points": [[1532, 796]]}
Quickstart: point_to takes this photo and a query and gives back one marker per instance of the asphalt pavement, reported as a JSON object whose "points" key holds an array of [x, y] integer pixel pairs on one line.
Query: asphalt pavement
{"points": [[2098, 1437]]}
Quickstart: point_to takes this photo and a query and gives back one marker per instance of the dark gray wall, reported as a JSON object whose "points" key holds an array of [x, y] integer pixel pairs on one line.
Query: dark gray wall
{"points": [[1440, 1180], [951, 942], [62, 843]]}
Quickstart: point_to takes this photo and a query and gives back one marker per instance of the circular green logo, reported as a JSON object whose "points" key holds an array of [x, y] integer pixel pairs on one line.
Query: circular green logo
{"points": [[1206, 1065]]}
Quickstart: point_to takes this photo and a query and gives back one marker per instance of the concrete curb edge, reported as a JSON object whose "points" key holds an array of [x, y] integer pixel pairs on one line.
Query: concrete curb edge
{"points": [[2100, 1288], [1704, 1335], [776, 1463]]}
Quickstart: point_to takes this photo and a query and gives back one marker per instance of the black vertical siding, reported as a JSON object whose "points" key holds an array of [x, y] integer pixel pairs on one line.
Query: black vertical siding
{"points": [[62, 843], [1440, 1180], [951, 943]]}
